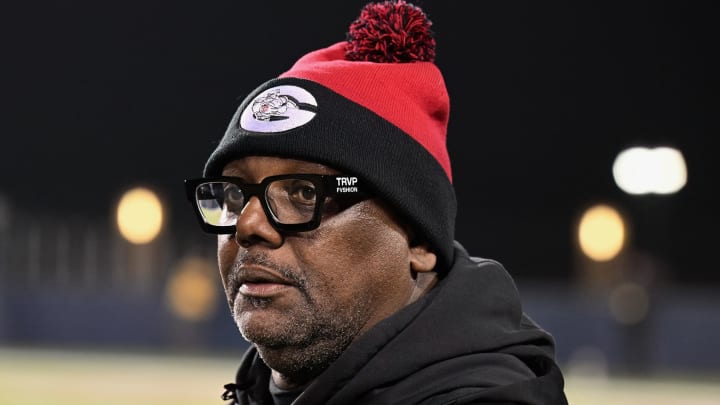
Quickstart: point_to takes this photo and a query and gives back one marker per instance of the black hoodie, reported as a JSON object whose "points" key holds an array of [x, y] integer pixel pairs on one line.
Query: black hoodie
{"points": [[466, 342]]}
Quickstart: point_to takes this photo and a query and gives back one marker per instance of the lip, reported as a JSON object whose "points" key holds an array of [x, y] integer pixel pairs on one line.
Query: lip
{"points": [[262, 290], [261, 282]]}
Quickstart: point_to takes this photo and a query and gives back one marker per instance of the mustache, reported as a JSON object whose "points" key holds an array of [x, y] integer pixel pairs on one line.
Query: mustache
{"points": [[239, 271]]}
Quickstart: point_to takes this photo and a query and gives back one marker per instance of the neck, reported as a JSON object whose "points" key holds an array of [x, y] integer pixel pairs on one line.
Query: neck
{"points": [[424, 282], [287, 383]]}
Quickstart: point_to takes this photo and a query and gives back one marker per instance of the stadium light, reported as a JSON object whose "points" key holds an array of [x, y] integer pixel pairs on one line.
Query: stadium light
{"points": [[642, 170], [191, 292], [601, 233], [139, 215], [629, 303]]}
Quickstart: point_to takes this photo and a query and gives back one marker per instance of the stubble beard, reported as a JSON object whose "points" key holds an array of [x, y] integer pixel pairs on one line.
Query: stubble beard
{"points": [[310, 336]]}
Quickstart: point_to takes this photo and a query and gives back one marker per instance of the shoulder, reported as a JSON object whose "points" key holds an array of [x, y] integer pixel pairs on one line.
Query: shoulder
{"points": [[474, 269]]}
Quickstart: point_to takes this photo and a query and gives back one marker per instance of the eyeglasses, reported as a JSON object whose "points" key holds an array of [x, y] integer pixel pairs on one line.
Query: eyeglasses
{"points": [[292, 202]]}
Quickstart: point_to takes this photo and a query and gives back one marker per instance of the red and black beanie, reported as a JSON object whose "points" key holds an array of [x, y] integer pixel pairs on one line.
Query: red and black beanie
{"points": [[374, 106]]}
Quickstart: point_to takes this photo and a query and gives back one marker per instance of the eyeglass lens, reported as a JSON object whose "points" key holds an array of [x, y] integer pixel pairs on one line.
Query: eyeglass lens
{"points": [[289, 200]]}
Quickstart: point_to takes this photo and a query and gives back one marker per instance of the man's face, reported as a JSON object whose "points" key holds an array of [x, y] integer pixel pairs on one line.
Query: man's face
{"points": [[303, 297]]}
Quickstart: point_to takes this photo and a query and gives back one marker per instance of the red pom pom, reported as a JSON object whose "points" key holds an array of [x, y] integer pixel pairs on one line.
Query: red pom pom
{"points": [[391, 32]]}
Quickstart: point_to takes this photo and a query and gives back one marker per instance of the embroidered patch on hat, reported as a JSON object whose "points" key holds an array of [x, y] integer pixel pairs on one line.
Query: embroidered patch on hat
{"points": [[279, 109]]}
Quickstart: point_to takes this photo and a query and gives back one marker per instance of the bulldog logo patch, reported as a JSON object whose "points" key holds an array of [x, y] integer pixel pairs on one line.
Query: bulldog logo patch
{"points": [[279, 109]]}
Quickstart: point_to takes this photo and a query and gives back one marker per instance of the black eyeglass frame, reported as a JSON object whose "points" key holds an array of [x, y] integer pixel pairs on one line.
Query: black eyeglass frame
{"points": [[325, 186]]}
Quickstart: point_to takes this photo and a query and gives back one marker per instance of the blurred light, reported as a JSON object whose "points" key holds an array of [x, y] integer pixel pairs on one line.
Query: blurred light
{"points": [[139, 215], [629, 303], [650, 170], [588, 361], [191, 291], [601, 233]]}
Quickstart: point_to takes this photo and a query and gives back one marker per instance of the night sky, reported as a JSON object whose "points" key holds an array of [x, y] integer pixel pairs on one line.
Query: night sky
{"points": [[101, 96]]}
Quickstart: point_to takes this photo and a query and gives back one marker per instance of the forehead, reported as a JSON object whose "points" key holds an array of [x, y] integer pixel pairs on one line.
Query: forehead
{"points": [[259, 167]]}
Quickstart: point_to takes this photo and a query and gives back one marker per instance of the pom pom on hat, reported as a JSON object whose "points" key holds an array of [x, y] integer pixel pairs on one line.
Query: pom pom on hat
{"points": [[387, 65], [391, 32], [374, 106]]}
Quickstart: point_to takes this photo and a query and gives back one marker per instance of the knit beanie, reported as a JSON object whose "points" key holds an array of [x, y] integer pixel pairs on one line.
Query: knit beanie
{"points": [[374, 106]]}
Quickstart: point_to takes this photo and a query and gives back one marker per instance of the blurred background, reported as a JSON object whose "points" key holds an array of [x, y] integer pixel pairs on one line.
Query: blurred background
{"points": [[582, 138]]}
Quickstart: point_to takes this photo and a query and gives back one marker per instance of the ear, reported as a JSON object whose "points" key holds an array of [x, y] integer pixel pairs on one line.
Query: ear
{"points": [[422, 264], [422, 259]]}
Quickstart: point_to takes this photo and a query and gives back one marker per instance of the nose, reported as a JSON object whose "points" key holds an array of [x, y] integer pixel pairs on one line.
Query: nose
{"points": [[253, 227]]}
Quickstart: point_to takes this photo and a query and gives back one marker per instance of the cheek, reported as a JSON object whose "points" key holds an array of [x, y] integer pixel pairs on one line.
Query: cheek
{"points": [[227, 250], [374, 241], [361, 253]]}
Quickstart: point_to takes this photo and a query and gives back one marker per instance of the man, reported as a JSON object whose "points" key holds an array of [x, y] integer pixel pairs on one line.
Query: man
{"points": [[331, 194]]}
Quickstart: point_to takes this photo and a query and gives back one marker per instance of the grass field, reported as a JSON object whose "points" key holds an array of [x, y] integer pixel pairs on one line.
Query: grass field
{"points": [[81, 377]]}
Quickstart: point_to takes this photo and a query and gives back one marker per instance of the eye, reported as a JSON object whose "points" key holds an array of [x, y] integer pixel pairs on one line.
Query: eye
{"points": [[303, 192], [234, 197]]}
